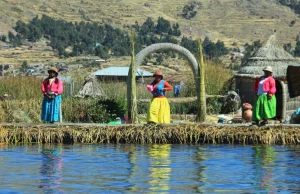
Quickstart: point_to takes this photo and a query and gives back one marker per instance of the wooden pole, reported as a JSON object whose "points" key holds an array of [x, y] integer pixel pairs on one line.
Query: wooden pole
{"points": [[131, 89], [201, 115]]}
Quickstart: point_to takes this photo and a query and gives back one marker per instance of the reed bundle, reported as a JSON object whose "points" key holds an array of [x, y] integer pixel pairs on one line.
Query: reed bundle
{"points": [[149, 134]]}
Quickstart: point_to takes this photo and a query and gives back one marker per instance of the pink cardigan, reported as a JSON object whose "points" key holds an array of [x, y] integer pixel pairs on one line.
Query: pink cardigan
{"points": [[55, 87], [269, 85]]}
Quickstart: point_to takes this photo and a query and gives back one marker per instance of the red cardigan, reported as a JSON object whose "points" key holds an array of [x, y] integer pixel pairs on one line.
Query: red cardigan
{"points": [[268, 86]]}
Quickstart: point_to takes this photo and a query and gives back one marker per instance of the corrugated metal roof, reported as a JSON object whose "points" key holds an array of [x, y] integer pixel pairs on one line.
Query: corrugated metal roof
{"points": [[121, 71]]}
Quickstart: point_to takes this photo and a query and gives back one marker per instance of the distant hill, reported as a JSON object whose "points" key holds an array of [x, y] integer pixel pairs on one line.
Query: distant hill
{"points": [[232, 21]]}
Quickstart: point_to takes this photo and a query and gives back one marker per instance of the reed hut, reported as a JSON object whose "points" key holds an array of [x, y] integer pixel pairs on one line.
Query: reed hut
{"points": [[270, 54], [90, 88]]}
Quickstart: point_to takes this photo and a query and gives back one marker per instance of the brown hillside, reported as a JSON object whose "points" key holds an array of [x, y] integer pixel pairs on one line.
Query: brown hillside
{"points": [[237, 21]]}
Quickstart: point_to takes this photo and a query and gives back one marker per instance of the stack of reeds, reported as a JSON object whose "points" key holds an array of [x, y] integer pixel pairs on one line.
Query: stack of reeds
{"points": [[144, 134]]}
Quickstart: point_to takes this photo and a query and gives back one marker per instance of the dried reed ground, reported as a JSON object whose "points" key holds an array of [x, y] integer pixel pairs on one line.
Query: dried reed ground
{"points": [[145, 134]]}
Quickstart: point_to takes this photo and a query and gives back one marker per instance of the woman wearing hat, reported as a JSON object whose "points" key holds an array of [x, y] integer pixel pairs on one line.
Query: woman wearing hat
{"points": [[159, 110], [52, 88], [265, 89]]}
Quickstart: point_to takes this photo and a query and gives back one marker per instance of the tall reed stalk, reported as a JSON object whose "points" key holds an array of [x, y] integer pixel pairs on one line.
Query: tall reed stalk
{"points": [[202, 109], [131, 92]]}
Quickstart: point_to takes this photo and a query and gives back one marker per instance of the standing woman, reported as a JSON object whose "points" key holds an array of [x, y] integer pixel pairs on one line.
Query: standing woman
{"points": [[52, 88], [265, 89], [159, 110]]}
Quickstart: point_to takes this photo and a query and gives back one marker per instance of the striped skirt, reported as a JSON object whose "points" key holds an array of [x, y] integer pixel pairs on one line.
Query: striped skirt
{"points": [[51, 109], [264, 108]]}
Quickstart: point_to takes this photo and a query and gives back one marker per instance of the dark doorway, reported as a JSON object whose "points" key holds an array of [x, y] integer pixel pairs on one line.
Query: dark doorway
{"points": [[293, 80], [279, 100]]}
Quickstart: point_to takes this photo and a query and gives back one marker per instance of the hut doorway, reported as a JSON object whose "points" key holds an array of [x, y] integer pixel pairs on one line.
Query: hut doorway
{"points": [[280, 101]]}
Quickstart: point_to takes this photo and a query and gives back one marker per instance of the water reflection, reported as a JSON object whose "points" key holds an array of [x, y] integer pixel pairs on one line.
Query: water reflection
{"points": [[265, 159], [51, 169], [160, 167], [199, 158], [172, 169], [133, 166]]}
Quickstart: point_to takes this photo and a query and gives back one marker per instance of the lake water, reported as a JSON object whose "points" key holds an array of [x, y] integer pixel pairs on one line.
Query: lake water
{"points": [[149, 169]]}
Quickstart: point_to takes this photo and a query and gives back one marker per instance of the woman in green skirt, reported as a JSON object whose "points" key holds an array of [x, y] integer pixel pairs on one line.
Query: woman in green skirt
{"points": [[265, 106]]}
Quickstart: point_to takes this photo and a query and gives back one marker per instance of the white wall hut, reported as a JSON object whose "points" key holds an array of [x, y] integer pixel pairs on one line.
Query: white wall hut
{"points": [[270, 54]]}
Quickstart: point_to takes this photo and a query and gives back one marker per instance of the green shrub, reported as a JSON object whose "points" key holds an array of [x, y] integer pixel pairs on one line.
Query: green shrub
{"points": [[213, 105], [93, 110]]}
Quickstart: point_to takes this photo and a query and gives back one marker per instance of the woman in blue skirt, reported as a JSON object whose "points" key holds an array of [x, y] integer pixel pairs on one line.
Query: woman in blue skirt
{"points": [[52, 88]]}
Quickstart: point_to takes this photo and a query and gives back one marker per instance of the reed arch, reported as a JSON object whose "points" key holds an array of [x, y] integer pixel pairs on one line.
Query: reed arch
{"points": [[193, 63]]}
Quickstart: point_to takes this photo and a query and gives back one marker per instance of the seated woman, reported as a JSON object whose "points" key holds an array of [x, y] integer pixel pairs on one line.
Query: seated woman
{"points": [[159, 110], [265, 106], [52, 88]]}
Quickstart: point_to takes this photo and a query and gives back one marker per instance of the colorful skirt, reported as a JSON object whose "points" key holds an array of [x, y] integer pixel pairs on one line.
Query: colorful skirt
{"points": [[264, 108], [159, 111], [51, 109]]}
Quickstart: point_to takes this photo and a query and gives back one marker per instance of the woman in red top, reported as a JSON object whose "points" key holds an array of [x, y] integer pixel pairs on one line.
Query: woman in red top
{"points": [[159, 110], [52, 88], [265, 89]]}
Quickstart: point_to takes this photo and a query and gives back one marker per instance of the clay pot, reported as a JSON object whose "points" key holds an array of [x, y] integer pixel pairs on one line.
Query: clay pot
{"points": [[247, 106], [247, 115]]}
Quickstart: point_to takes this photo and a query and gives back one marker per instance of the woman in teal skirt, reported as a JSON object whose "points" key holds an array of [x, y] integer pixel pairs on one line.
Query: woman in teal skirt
{"points": [[265, 106], [52, 88]]}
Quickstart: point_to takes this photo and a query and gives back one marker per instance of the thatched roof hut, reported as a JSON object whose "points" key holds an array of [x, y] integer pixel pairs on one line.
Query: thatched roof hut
{"points": [[270, 54], [90, 88]]}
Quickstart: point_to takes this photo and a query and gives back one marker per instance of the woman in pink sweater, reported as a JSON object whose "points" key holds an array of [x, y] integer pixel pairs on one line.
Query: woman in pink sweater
{"points": [[52, 88], [265, 89]]}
